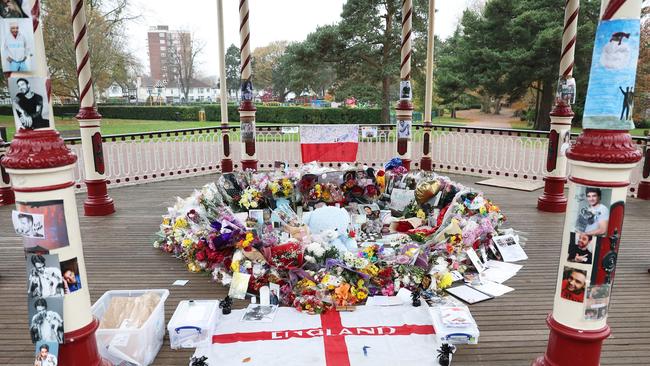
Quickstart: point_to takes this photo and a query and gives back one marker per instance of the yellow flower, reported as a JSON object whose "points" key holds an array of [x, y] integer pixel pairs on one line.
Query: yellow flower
{"points": [[180, 223], [445, 281], [166, 221], [234, 266], [187, 243], [361, 295], [193, 267], [420, 214]]}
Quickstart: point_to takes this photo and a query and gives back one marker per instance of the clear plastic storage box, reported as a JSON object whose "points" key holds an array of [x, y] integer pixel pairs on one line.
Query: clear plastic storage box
{"points": [[129, 345], [192, 323]]}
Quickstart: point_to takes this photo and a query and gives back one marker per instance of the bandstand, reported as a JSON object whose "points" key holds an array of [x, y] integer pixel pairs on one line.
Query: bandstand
{"points": [[128, 181]]}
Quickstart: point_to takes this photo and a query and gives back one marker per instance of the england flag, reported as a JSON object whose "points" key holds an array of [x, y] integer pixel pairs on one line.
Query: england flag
{"points": [[370, 335]]}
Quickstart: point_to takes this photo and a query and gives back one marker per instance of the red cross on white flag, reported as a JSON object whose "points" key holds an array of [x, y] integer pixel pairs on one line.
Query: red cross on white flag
{"points": [[368, 336]]}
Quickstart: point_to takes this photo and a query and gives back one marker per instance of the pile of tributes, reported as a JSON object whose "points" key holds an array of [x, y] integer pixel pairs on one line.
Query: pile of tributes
{"points": [[364, 232]]}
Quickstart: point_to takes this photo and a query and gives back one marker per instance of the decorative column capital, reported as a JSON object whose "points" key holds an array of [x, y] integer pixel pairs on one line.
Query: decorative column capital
{"points": [[604, 146], [88, 113], [562, 109], [38, 149]]}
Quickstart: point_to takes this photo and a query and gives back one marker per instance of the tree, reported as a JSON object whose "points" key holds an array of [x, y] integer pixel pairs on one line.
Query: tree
{"points": [[450, 79], [264, 60], [183, 57], [233, 58], [642, 89], [110, 59]]}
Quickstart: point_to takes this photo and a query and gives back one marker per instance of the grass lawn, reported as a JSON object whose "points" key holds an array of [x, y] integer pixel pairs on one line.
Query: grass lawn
{"points": [[121, 126], [519, 125]]}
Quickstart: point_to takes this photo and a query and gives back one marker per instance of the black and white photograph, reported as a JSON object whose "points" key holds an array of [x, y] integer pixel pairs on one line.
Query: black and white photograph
{"points": [[28, 225], [29, 102], [44, 277], [565, 142], [405, 91], [46, 354], [404, 129], [14, 9], [259, 313], [46, 319], [369, 132], [509, 247], [71, 276], [370, 211], [581, 248], [247, 90], [247, 131], [17, 44], [591, 211]]}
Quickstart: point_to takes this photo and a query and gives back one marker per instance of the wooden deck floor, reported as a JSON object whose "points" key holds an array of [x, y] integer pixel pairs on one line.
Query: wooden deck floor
{"points": [[119, 255]]}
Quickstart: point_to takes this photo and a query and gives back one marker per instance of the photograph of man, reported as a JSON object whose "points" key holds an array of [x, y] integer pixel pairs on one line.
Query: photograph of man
{"points": [[579, 248], [273, 299], [44, 280], [17, 45], [29, 106], [44, 357], [594, 218], [71, 278], [46, 325], [404, 129], [28, 225], [11, 9], [573, 284]]}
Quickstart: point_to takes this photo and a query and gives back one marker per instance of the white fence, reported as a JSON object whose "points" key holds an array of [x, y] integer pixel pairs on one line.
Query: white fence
{"points": [[140, 158]]}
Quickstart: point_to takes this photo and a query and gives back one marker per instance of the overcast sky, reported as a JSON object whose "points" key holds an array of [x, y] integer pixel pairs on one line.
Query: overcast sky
{"points": [[270, 20]]}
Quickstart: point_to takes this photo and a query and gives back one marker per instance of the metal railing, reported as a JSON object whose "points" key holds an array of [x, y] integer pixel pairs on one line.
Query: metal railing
{"points": [[154, 156]]}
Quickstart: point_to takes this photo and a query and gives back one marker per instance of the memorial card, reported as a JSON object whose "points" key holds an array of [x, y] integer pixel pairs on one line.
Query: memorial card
{"points": [[508, 246]]}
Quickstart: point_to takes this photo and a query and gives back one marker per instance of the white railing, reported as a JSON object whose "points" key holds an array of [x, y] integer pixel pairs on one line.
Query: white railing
{"points": [[140, 158]]}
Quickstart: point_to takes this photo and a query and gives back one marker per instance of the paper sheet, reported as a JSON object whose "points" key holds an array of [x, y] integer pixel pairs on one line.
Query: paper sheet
{"points": [[384, 301], [493, 288], [509, 248], [497, 275]]}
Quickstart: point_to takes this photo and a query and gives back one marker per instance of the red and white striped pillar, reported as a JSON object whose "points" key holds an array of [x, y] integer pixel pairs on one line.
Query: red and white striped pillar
{"points": [[404, 109], [601, 161], [226, 161], [42, 169], [98, 203], [246, 106], [553, 200], [6, 193], [643, 191], [426, 161]]}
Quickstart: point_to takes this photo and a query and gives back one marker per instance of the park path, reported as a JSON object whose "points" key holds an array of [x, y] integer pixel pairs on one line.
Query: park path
{"points": [[478, 119]]}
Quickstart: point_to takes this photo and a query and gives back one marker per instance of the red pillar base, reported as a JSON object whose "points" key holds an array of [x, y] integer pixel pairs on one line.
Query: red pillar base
{"points": [[643, 192], [425, 164], [570, 347], [226, 166], [249, 164], [7, 196], [553, 200], [80, 348], [98, 202], [406, 163]]}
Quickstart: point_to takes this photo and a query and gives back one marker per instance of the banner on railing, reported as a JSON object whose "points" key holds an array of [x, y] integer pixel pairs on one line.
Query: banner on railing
{"points": [[329, 143]]}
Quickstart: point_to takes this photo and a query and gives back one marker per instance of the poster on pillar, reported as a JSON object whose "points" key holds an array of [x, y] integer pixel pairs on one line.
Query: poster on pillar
{"points": [[14, 9], [404, 129], [610, 94], [405, 91], [590, 214], [55, 231], [30, 103], [17, 50]]}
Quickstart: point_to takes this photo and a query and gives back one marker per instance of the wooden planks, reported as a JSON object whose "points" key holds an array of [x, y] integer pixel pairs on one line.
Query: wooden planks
{"points": [[119, 255]]}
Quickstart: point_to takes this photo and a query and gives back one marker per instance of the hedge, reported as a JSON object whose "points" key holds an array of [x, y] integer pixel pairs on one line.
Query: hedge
{"points": [[298, 115]]}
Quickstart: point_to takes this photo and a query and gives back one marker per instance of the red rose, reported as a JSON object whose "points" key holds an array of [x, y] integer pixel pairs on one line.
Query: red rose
{"points": [[200, 256]]}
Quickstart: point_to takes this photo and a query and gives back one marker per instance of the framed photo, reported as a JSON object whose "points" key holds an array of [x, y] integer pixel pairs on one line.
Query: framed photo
{"points": [[30, 102], [46, 319], [574, 283], [55, 230], [44, 277], [71, 276], [17, 43], [274, 296]]}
